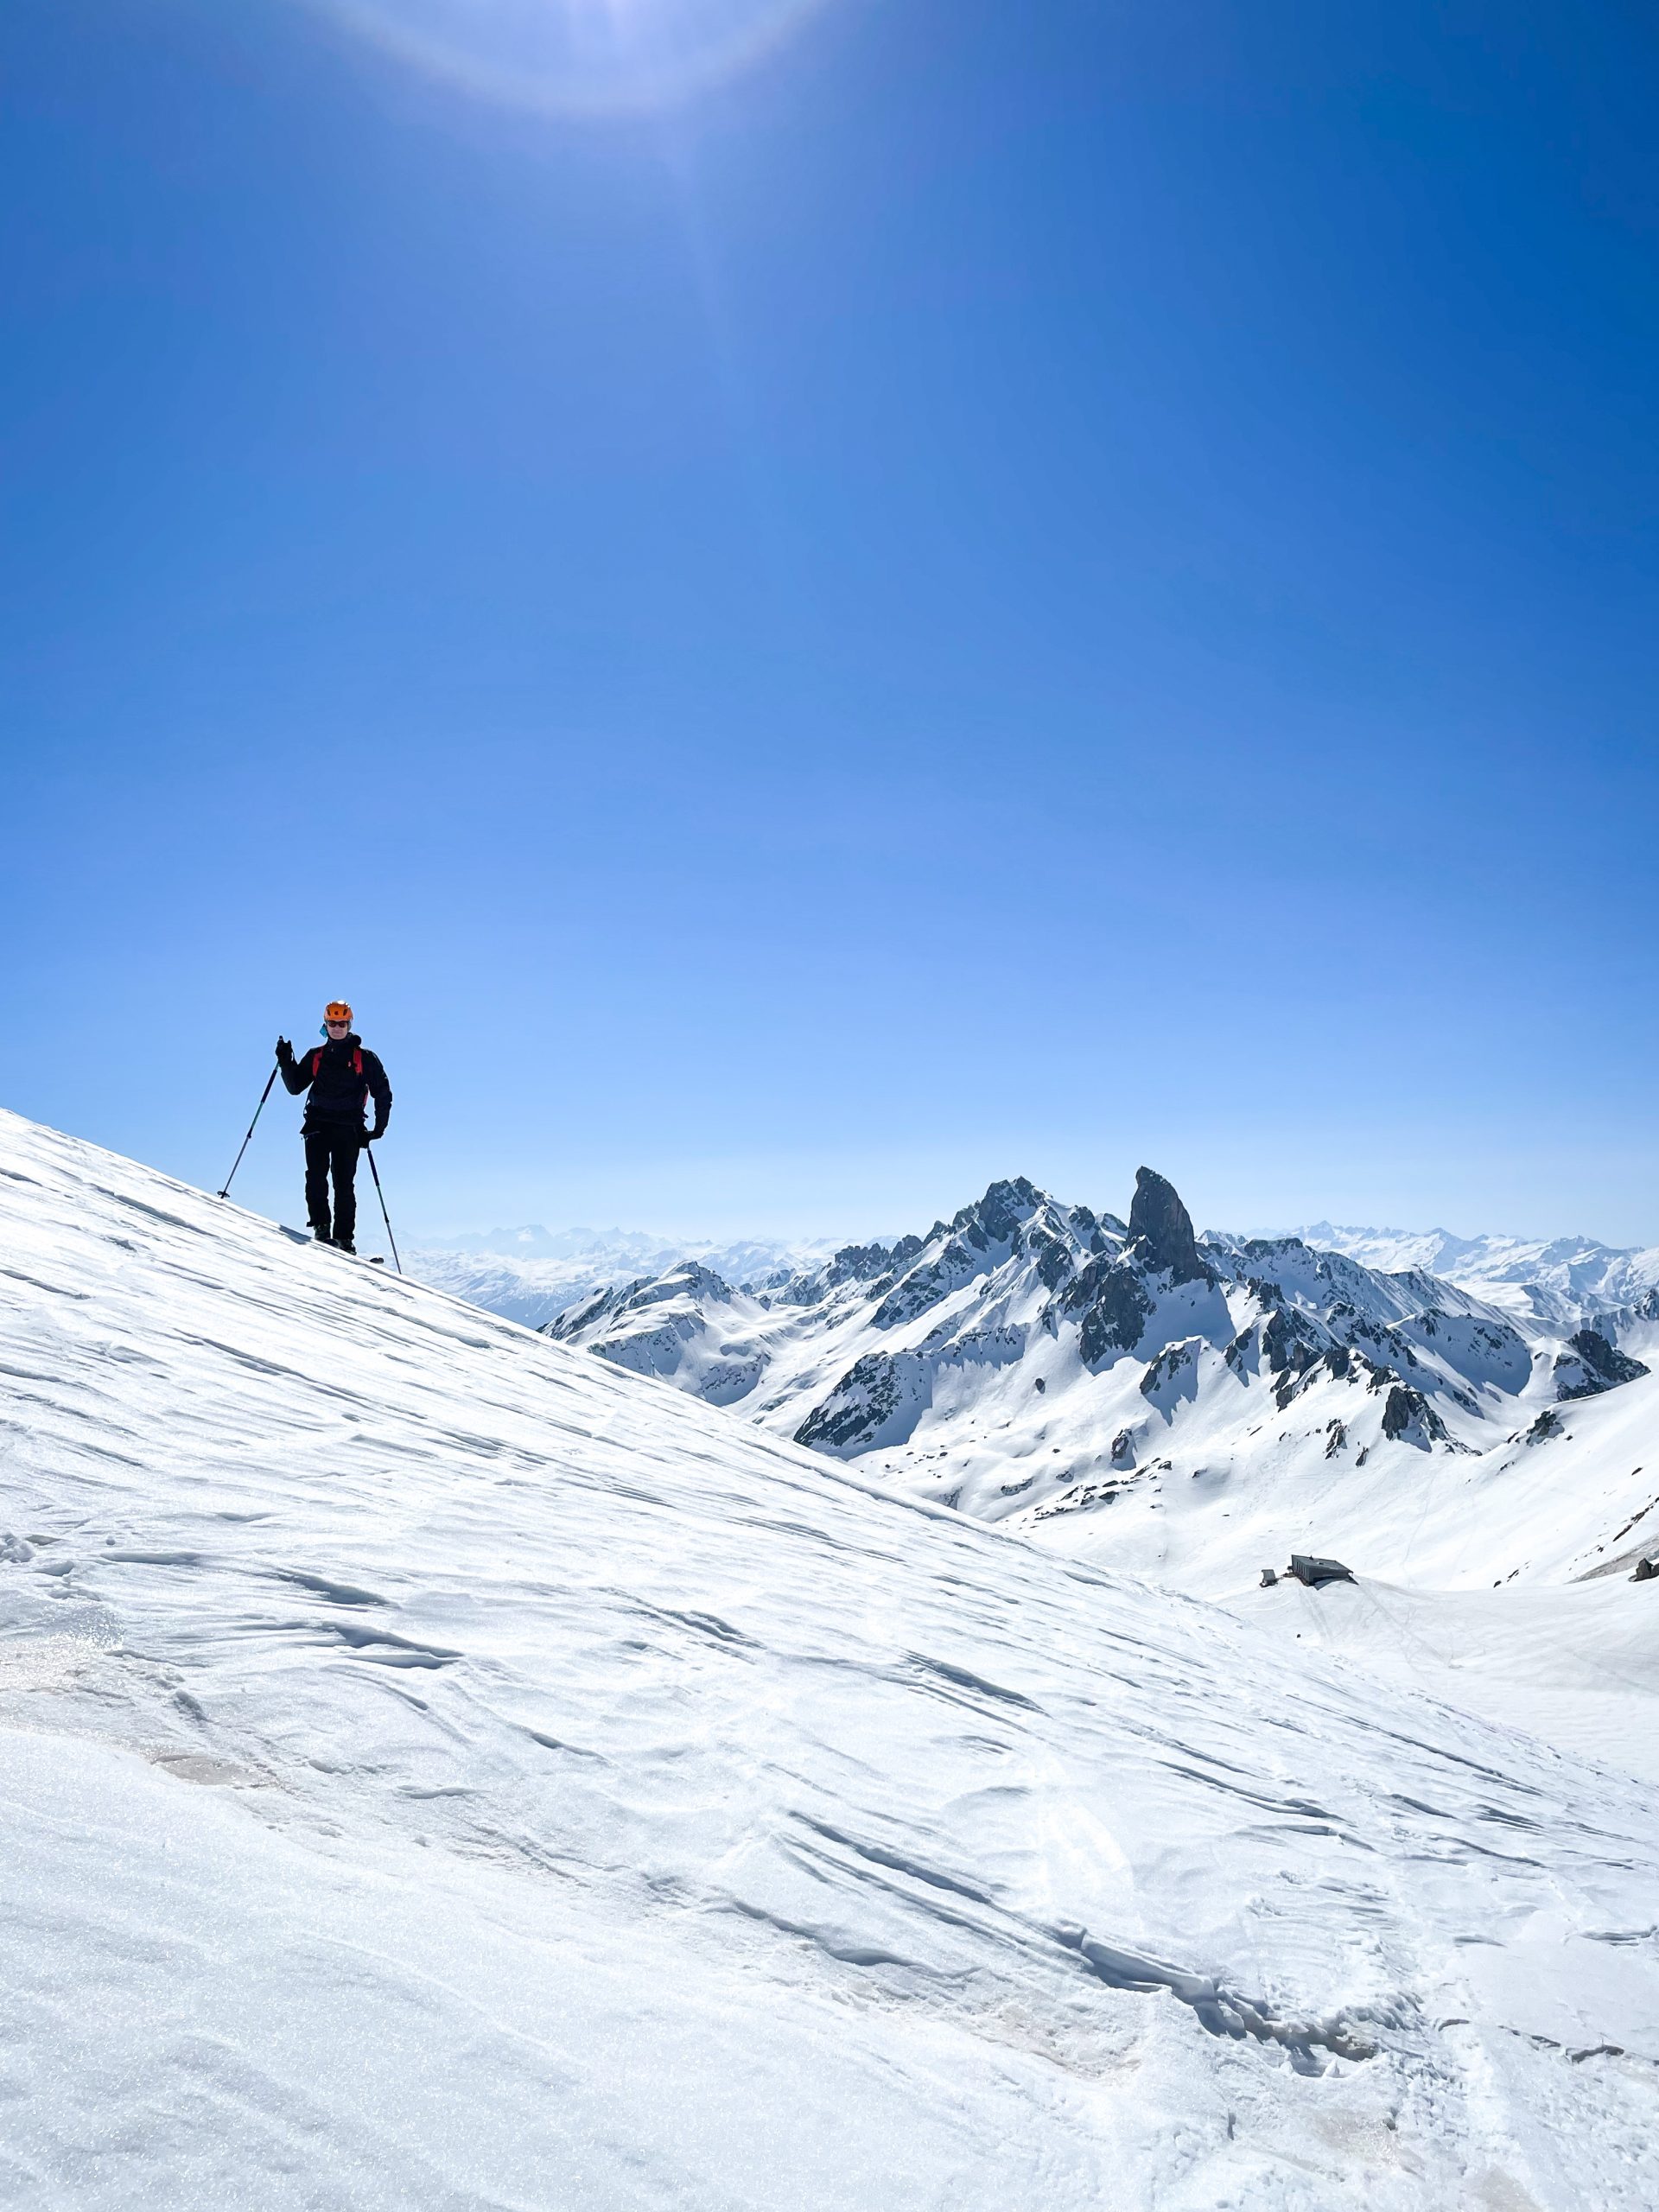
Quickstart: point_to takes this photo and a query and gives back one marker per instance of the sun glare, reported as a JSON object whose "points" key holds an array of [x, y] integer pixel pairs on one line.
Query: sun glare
{"points": [[596, 56]]}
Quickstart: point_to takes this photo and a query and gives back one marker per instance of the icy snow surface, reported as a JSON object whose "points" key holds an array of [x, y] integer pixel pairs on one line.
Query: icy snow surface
{"points": [[443, 1771]]}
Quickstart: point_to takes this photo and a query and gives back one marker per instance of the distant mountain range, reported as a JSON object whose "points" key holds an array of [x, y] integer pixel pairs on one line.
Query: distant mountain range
{"points": [[1564, 1280], [1032, 1362], [532, 1274]]}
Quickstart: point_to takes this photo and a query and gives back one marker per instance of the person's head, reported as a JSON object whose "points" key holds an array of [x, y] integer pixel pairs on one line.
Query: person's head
{"points": [[337, 1020]]}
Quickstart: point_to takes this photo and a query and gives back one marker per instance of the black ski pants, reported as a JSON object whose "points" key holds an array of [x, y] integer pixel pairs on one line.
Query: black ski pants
{"points": [[333, 1151]]}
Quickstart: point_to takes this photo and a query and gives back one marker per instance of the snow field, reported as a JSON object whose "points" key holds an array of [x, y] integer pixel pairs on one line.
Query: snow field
{"points": [[442, 1771]]}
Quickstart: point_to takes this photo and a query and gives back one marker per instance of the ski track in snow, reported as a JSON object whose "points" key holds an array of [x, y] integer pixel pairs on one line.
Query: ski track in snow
{"points": [[444, 1771]]}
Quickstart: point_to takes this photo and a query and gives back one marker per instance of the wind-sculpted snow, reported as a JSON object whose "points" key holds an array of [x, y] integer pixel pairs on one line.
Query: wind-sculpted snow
{"points": [[442, 1771]]}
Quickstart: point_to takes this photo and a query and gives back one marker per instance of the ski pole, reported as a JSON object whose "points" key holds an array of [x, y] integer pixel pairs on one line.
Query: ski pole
{"points": [[248, 1140], [385, 1216]]}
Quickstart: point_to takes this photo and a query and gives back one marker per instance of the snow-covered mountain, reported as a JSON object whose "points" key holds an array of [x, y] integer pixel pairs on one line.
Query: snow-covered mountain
{"points": [[1029, 1359], [443, 1770], [1196, 1411], [1563, 1282], [533, 1274]]}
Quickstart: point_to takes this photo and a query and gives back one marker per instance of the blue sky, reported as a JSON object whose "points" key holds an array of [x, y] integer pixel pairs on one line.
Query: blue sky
{"points": [[1009, 589]]}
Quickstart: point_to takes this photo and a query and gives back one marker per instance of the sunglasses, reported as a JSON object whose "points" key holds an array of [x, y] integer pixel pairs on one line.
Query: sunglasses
{"points": [[338, 1025]]}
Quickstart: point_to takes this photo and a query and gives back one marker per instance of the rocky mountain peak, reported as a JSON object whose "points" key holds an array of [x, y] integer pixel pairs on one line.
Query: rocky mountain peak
{"points": [[1027, 1350], [1001, 1212], [1162, 1227]]}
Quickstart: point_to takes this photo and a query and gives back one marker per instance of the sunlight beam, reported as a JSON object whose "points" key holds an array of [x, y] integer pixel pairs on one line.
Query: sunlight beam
{"points": [[577, 56]]}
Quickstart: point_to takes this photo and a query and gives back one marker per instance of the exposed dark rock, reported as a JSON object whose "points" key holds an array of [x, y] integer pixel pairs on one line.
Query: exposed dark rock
{"points": [[1291, 1351], [1600, 1366], [1265, 1247], [858, 1262], [998, 1215], [1238, 1349], [1286, 1343], [1162, 1227], [1054, 1263], [1549, 1424], [1646, 1571], [1039, 1385], [852, 1263], [1123, 1447], [1336, 1437], [1173, 1360], [925, 1286], [1407, 1409], [857, 1406], [1114, 1307]]}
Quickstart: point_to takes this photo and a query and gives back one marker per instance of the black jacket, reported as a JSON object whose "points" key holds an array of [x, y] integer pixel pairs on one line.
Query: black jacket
{"points": [[339, 1092]]}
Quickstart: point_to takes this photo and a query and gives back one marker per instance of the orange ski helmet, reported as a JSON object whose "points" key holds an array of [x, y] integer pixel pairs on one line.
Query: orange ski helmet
{"points": [[336, 1010]]}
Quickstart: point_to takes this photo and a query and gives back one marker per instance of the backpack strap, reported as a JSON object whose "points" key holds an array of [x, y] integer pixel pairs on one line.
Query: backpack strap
{"points": [[317, 1051]]}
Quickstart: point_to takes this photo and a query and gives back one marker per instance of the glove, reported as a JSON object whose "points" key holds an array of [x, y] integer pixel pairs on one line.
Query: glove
{"points": [[284, 1053], [367, 1136]]}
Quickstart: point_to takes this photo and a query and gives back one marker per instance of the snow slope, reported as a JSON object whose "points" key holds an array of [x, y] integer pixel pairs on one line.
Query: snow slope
{"points": [[1577, 1666], [442, 1771], [1509, 1589], [1499, 1581]]}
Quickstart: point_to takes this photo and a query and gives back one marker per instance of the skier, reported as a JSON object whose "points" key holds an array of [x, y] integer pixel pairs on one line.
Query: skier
{"points": [[341, 1076]]}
